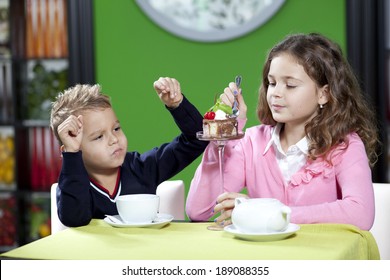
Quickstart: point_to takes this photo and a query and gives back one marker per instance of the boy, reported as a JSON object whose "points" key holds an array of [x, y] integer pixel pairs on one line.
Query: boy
{"points": [[96, 166]]}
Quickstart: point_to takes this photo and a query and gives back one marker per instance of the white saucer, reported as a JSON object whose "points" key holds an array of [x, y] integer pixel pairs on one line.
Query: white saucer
{"points": [[269, 236], [159, 222]]}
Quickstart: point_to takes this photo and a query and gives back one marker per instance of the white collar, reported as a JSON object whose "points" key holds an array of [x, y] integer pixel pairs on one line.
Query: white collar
{"points": [[302, 144]]}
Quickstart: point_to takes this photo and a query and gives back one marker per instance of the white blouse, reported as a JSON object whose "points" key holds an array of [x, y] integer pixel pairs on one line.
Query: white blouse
{"points": [[295, 158]]}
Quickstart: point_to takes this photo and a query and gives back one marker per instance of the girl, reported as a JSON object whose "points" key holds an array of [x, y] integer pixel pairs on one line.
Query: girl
{"points": [[313, 150]]}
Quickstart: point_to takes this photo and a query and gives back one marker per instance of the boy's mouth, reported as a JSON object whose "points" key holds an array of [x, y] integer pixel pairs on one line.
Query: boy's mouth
{"points": [[117, 152]]}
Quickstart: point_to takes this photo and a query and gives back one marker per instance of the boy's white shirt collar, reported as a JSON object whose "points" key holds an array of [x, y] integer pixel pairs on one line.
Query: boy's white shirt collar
{"points": [[302, 144]]}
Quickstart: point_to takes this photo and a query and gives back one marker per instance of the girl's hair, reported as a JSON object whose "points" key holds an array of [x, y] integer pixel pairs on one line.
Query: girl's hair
{"points": [[74, 101], [345, 112]]}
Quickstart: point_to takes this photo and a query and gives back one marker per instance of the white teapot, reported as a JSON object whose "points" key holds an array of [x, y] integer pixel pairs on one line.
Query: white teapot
{"points": [[260, 215]]}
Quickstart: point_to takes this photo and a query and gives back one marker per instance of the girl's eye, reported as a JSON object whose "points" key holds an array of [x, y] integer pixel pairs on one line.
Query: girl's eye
{"points": [[117, 128], [99, 137], [290, 86], [271, 84]]}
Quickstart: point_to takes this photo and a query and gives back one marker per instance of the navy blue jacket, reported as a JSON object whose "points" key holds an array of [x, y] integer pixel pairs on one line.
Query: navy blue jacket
{"points": [[79, 199]]}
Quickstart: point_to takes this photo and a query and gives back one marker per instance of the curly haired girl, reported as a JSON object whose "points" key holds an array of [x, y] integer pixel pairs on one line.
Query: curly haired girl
{"points": [[313, 149]]}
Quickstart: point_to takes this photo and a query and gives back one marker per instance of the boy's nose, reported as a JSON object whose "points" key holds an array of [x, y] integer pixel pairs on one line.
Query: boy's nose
{"points": [[113, 139]]}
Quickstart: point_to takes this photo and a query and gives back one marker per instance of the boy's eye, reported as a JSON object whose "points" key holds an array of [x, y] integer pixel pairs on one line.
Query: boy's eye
{"points": [[99, 137], [117, 128]]}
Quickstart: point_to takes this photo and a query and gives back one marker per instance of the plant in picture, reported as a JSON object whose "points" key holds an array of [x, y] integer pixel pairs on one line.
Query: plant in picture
{"points": [[42, 90], [4, 22], [7, 161], [39, 218], [7, 220]]}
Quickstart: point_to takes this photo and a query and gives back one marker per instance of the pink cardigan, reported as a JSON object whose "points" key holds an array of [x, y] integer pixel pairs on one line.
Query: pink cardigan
{"points": [[318, 193]]}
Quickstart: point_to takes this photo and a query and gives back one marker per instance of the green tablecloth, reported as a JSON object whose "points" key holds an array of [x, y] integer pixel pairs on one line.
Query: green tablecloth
{"points": [[192, 241]]}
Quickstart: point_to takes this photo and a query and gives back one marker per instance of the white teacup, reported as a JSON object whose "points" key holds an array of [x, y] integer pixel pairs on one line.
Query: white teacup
{"points": [[138, 208], [260, 215]]}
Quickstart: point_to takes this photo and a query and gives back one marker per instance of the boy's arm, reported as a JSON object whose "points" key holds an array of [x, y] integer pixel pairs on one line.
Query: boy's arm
{"points": [[167, 160], [187, 118], [73, 198]]}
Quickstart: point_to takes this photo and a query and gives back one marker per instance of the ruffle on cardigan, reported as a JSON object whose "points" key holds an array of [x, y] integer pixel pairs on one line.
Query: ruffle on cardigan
{"points": [[318, 167]]}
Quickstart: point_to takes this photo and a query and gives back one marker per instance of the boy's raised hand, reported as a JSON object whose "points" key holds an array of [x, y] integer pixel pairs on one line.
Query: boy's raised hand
{"points": [[169, 91], [71, 133]]}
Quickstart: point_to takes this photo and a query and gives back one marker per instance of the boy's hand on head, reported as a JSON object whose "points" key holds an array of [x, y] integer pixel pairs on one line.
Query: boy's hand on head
{"points": [[71, 133], [169, 91]]}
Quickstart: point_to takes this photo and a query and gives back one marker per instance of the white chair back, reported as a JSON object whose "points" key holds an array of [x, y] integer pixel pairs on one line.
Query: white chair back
{"points": [[381, 228], [171, 202], [172, 198]]}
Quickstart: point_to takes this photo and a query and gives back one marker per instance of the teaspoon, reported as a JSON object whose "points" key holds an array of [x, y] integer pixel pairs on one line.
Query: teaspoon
{"points": [[238, 80]]}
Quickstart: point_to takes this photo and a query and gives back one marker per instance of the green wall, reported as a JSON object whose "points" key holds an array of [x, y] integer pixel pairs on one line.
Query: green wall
{"points": [[132, 52]]}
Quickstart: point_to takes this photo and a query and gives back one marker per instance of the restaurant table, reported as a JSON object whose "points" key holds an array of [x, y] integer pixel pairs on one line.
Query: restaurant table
{"points": [[192, 241]]}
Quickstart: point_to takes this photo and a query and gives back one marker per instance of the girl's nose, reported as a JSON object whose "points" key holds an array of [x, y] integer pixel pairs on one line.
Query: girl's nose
{"points": [[275, 91]]}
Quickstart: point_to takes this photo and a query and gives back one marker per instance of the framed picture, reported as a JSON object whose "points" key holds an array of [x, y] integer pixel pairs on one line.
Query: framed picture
{"points": [[4, 28], [8, 221], [38, 216], [7, 158], [210, 20]]}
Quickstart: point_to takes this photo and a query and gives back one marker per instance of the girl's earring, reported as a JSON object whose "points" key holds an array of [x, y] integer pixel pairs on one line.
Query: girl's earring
{"points": [[321, 106]]}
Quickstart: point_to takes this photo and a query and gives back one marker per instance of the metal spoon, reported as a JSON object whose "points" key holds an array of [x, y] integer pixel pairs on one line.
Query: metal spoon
{"points": [[238, 80], [114, 219]]}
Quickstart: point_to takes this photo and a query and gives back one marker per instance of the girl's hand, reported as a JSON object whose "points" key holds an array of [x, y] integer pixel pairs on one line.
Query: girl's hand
{"points": [[228, 95], [225, 205], [168, 89], [71, 133]]}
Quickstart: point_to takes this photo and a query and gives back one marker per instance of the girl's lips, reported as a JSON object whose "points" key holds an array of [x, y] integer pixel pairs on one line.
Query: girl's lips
{"points": [[277, 107]]}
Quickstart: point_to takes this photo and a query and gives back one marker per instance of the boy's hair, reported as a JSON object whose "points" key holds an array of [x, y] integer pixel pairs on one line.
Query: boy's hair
{"points": [[74, 101], [346, 110]]}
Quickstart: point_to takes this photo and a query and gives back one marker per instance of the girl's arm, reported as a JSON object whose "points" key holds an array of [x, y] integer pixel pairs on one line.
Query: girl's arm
{"points": [[356, 205]]}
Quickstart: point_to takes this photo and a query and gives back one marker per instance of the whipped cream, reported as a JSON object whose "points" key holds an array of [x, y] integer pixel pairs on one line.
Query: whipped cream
{"points": [[220, 115]]}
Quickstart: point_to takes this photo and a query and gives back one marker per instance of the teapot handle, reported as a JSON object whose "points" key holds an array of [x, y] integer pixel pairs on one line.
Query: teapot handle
{"points": [[286, 211], [239, 200]]}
